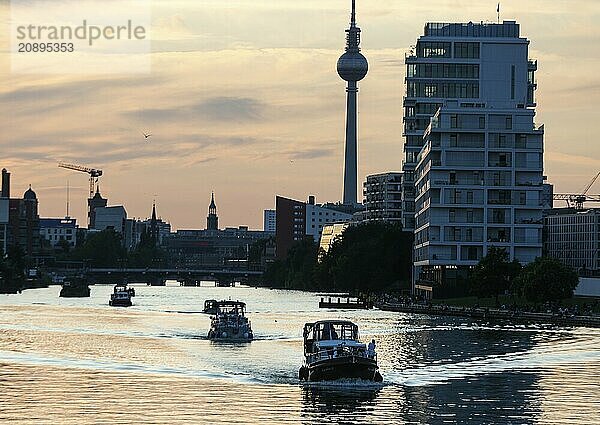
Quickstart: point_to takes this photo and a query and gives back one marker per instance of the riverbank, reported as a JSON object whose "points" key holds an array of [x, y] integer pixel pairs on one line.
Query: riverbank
{"points": [[493, 314]]}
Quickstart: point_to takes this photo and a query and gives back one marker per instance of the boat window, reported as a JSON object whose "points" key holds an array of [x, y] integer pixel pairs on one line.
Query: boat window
{"points": [[335, 331]]}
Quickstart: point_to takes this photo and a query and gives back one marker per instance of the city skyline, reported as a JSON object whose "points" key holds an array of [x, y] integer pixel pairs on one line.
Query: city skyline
{"points": [[250, 111]]}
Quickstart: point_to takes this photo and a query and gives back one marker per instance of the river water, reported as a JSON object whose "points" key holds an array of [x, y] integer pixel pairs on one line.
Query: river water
{"points": [[79, 361]]}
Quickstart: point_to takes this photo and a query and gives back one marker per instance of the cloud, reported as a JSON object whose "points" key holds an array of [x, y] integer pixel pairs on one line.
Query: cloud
{"points": [[231, 108], [312, 154], [220, 109]]}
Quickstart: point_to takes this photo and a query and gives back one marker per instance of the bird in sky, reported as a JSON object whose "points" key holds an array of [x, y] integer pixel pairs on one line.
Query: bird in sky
{"points": [[146, 136]]}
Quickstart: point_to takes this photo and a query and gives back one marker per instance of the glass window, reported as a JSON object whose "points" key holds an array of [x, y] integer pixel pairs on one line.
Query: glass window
{"points": [[466, 50]]}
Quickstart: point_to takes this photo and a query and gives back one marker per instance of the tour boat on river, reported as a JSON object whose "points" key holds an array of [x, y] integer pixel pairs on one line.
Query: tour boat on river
{"points": [[75, 287], [121, 296], [230, 323], [332, 350]]}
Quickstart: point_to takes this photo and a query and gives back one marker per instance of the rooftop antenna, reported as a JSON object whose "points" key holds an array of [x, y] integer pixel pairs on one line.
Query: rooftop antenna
{"points": [[67, 216], [498, 10], [353, 16]]}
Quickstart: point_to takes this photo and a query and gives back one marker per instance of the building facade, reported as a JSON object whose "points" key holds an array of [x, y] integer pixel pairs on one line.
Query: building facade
{"points": [[573, 237], [4, 208], [96, 202], [476, 169], [111, 218], [383, 197], [290, 224], [331, 233], [211, 249], [317, 216], [296, 220], [478, 64], [269, 221], [55, 230], [23, 228]]}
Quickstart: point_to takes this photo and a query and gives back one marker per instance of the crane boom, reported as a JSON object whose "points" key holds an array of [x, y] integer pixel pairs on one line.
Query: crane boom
{"points": [[585, 191], [93, 172]]}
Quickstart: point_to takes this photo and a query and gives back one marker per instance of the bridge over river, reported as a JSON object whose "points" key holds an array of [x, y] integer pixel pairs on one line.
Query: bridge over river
{"points": [[158, 276]]}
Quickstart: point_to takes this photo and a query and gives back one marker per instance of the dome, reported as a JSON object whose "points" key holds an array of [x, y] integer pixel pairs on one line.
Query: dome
{"points": [[352, 66], [29, 194]]}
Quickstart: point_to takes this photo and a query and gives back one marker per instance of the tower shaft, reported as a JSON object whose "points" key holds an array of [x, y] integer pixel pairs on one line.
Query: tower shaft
{"points": [[352, 67], [350, 157]]}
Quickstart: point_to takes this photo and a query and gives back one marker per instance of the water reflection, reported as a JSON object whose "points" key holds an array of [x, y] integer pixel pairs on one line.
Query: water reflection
{"points": [[70, 357], [339, 403], [496, 398]]}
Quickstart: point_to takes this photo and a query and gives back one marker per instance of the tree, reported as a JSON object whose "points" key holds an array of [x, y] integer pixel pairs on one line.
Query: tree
{"points": [[370, 257], [546, 279], [102, 249], [297, 270], [64, 245], [147, 253], [494, 273], [12, 270]]}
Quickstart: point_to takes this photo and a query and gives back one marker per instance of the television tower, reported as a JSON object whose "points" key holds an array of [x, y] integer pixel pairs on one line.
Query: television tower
{"points": [[352, 67]]}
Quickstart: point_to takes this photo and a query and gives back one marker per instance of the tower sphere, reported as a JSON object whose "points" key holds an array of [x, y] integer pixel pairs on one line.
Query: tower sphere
{"points": [[352, 66]]}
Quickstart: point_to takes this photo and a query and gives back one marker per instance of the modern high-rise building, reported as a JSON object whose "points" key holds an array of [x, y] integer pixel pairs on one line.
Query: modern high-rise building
{"points": [[473, 167], [476, 64], [269, 221], [383, 197], [352, 67]]}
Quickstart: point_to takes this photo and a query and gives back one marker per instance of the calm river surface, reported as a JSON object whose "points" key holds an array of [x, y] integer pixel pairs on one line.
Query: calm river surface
{"points": [[81, 361]]}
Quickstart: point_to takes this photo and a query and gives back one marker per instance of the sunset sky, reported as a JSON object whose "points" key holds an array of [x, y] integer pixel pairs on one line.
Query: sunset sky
{"points": [[243, 99]]}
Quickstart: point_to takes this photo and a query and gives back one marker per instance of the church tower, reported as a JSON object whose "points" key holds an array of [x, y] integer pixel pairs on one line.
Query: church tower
{"points": [[212, 221]]}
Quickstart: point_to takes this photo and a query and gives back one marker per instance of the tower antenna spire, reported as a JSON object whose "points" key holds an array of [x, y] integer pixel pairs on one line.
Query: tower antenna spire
{"points": [[352, 67]]}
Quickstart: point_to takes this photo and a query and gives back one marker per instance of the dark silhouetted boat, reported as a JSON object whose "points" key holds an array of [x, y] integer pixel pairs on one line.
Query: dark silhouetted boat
{"points": [[332, 350], [75, 287], [230, 323], [121, 296]]}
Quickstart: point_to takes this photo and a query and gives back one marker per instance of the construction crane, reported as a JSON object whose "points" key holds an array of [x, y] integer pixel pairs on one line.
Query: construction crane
{"points": [[577, 200], [93, 172]]}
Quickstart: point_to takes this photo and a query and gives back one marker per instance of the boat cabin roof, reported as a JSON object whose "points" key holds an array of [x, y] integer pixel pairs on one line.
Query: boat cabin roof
{"points": [[231, 306], [330, 330]]}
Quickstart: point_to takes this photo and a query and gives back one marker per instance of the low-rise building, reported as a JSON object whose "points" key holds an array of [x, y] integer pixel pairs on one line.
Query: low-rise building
{"points": [[55, 230], [211, 248]]}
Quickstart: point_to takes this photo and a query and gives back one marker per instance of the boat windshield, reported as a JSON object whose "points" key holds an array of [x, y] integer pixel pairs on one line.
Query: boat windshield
{"points": [[335, 331]]}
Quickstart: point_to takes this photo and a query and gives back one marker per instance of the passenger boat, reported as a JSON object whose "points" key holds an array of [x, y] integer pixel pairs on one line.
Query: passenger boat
{"points": [[121, 296], [332, 350], [230, 323], [75, 287]]}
